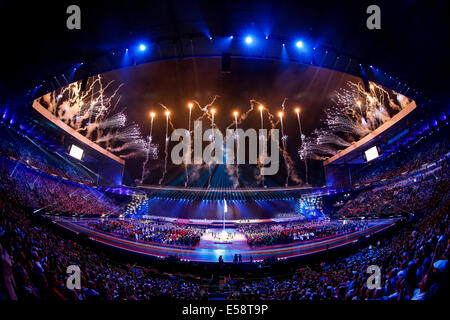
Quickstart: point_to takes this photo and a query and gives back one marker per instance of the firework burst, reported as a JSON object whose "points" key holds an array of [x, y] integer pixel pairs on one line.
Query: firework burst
{"points": [[355, 112], [93, 112]]}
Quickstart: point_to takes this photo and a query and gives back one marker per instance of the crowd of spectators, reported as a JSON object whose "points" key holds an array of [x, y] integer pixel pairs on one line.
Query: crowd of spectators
{"points": [[413, 266], [400, 198], [273, 234], [20, 149], [47, 193], [34, 261], [413, 263], [152, 231]]}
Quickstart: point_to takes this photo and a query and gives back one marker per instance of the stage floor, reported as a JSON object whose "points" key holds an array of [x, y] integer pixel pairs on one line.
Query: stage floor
{"points": [[209, 248]]}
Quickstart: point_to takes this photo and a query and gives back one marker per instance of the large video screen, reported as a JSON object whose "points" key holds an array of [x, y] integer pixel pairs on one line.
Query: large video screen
{"points": [[372, 154], [76, 152]]}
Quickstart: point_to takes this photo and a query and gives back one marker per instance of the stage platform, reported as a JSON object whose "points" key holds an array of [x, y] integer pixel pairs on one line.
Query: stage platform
{"points": [[209, 249]]}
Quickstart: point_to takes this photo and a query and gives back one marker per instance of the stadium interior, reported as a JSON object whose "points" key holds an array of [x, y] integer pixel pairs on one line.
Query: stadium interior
{"points": [[88, 176]]}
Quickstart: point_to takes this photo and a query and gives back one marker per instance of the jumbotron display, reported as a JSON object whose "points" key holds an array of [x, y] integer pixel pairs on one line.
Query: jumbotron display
{"points": [[76, 152], [371, 154]]}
